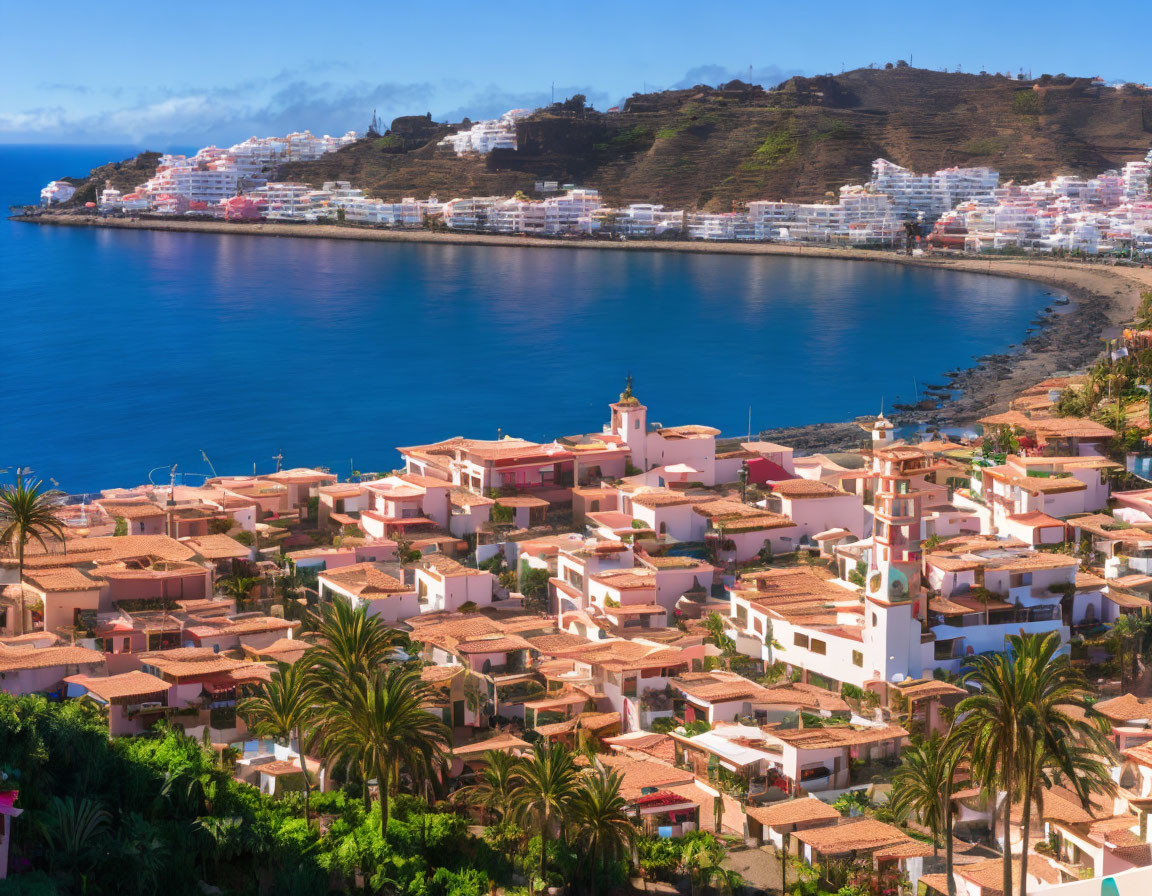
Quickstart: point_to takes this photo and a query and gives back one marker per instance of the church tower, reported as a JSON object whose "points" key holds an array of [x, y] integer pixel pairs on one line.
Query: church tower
{"points": [[893, 596], [882, 433], [630, 422]]}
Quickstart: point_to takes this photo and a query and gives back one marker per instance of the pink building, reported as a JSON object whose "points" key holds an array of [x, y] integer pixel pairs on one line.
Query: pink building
{"points": [[134, 700]]}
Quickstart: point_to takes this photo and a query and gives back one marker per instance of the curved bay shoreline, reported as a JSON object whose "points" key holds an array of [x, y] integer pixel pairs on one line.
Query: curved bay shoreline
{"points": [[1103, 299]]}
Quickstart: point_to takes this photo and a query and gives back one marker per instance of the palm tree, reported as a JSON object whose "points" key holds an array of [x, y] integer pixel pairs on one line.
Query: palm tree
{"points": [[383, 723], [493, 791], [239, 588], [718, 637], [546, 786], [76, 831], [1061, 739], [701, 859], [990, 730], [351, 645], [921, 785], [282, 709], [602, 824], [1128, 640], [1029, 726], [28, 513]]}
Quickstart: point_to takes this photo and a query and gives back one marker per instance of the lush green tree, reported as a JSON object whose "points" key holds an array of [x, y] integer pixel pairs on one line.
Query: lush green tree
{"points": [[494, 790], [28, 513], [283, 707], [1028, 725], [921, 786], [385, 725], [1061, 739], [546, 788], [603, 827], [239, 588]]}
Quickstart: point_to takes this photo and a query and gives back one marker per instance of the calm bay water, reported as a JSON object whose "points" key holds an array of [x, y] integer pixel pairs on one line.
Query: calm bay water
{"points": [[124, 351]]}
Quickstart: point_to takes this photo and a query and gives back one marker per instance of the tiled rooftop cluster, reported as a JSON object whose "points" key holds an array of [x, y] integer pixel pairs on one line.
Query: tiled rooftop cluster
{"points": [[622, 587]]}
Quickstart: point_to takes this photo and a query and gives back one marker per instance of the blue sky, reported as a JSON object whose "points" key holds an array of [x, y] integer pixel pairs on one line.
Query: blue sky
{"points": [[180, 74]]}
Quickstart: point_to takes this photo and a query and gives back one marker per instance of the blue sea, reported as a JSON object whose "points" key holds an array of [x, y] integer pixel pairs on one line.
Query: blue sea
{"points": [[125, 351]]}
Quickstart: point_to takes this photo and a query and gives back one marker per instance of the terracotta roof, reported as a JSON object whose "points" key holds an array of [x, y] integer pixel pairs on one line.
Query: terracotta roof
{"points": [[989, 875], [461, 497], [655, 497], [365, 579], [106, 548], [793, 812], [493, 644], [445, 566], [1036, 519], [924, 689], [806, 488], [1141, 754], [278, 767], [425, 482], [860, 835], [128, 684], [560, 641], [17, 659], [720, 687], [502, 743], [640, 772], [627, 579], [186, 662], [591, 721], [65, 578], [833, 736], [514, 501], [1071, 427], [439, 674], [130, 510], [1125, 708], [218, 547], [287, 650]]}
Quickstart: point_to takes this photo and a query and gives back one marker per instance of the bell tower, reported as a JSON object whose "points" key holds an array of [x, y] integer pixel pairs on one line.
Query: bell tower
{"points": [[893, 597], [630, 422]]}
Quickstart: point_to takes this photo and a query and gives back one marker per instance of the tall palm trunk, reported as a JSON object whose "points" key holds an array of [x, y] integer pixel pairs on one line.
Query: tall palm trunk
{"points": [[545, 830], [383, 782], [1007, 877], [20, 573], [304, 769], [948, 850], [1029, 783]]}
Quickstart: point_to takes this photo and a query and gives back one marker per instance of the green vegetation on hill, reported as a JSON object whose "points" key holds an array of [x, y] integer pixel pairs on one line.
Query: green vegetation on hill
{"points": [[710, 147]]}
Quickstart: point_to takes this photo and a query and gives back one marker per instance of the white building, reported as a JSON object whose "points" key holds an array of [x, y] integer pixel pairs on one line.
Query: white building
{"points": [[56, 192]]}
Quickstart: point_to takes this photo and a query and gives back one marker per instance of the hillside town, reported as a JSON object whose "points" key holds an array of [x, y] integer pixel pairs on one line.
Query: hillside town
{"points": [[744, 641], [965, 209]]}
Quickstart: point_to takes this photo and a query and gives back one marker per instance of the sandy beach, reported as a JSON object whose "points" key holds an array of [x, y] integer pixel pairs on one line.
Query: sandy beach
{"points": [[1067, 337]]}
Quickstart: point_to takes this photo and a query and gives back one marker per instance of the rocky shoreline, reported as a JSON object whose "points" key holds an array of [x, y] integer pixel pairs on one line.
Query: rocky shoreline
{"points": [[1066, 336]]}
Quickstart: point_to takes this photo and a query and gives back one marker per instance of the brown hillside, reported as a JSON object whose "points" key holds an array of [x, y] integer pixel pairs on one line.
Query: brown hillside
{"points": [[714, 147]]}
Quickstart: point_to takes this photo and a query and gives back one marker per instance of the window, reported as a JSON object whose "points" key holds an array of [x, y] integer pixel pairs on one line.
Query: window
{"points": [[800, 640], [758, 625], [818, 647], [630, 686], [636, 425], [874, 620], [857, 658]]}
